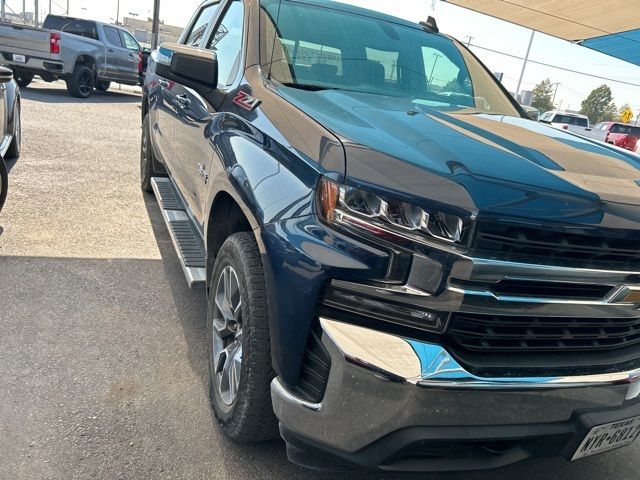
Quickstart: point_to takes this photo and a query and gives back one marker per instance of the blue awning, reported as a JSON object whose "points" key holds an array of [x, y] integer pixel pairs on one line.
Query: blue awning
{"points": [[611, 27], [625, 46]]}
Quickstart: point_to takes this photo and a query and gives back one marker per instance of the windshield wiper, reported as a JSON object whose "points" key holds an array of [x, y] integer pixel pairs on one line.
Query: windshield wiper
{"points": [[307, 86]]}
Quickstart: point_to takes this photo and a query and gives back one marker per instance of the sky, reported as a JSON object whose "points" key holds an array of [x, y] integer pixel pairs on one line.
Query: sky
{"points": [[485, 31]]}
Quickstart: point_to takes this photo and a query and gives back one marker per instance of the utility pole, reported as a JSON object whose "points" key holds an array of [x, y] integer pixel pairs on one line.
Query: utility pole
{"points": [[67, 8], [3, 6], [50, 7], [553, 101], [24, 11], [526, 59], [433, 70], [118, 13], [36, 14], [155, 29]]}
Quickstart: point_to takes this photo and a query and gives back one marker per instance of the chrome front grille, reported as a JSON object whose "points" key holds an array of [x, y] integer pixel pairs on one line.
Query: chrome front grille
{"points": [[508, 242], [527, 334]]}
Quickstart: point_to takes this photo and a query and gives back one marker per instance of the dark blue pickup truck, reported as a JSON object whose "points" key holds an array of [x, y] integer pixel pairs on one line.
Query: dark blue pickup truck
{"points": [[404, 272]]}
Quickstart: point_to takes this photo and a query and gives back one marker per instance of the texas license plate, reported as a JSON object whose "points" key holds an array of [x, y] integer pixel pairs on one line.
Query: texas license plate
{"points": [[609, 437], [19, 58]]}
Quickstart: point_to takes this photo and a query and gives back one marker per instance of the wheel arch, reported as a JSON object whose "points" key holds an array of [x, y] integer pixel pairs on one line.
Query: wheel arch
{"points": [[226, 217], [86, 60]]}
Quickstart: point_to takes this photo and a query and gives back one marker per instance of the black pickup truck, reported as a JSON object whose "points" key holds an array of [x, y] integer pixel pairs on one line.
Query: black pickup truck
{"points": [[404, 272]]}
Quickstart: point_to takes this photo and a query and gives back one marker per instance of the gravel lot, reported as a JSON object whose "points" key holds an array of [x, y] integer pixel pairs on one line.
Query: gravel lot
{"points": [[102, 351]]}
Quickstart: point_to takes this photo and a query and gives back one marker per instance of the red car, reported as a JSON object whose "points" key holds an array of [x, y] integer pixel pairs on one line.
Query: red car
{"points": [[621, 135]]}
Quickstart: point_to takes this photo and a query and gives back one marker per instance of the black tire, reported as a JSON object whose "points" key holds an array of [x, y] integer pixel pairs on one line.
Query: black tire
{"points": [[23, 79], [4, 183], [13, 152], [147, 159], [249, 417], [102, 86], [81, 83]]}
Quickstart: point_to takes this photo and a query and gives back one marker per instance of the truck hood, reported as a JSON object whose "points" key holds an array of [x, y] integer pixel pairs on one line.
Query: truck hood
{"points": [[484, 164]]}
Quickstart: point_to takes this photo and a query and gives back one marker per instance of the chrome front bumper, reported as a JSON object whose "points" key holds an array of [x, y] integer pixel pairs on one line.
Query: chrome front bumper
{"points": [[381, 383]]}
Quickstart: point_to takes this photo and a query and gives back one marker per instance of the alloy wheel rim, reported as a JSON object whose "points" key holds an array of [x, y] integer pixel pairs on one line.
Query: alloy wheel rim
{"points": [[83, 84], [227, 336]]}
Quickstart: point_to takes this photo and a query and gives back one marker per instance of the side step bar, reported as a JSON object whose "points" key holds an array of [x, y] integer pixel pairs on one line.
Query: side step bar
{"points": [[184, 234]]}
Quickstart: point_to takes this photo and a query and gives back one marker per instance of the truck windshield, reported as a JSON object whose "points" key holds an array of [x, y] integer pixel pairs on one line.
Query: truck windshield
{"points": [[316, 47]]}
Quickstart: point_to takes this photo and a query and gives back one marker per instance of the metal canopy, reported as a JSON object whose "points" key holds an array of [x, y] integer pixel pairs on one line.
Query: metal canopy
{"points": [[611, 27]]}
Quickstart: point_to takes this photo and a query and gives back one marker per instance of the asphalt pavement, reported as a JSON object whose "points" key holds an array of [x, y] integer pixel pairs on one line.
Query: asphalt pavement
{"points": [[102, 344]]}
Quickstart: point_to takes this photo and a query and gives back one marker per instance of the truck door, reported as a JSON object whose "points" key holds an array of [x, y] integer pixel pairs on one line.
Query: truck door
{"points": [[117, 54], [194, 150], [190, 117], [132, 63]]}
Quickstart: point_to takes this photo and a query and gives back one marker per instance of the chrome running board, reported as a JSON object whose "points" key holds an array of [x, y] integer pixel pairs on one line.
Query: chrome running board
{"points": [[184, 234]]}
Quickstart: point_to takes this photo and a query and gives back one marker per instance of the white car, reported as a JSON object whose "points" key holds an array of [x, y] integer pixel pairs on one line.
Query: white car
{"points": [[572, 122]]}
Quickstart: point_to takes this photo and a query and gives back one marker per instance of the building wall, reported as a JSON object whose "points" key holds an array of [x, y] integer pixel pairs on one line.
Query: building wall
{"points": [[141, 29]]}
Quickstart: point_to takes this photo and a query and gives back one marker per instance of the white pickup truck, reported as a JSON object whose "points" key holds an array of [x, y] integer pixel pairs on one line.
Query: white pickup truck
{"points": [[84, 53], [573, 122]]}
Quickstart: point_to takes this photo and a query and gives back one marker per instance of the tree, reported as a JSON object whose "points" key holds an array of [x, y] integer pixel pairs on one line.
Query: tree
{"points": [[542, 96], [599, 106]]}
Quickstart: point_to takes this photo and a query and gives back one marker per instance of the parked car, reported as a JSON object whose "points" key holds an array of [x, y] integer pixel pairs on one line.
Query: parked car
{"points": [[10, 127], [620, 134], [572, 122], [84, 53], [404, 272], [532, 113]]}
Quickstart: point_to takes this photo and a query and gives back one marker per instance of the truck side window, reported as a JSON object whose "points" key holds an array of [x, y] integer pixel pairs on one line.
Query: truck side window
{"points": [[81, 28], [129, 42], [200, 25], [227, 43], [113, 37]]}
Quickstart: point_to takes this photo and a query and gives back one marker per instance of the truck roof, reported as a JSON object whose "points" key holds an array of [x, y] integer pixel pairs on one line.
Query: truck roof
{"points": [[343, 7], [65, 17], [567, 113]]}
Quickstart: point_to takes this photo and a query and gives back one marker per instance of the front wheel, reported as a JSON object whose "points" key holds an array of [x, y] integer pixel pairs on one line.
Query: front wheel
{"points": [[147, 159], [81, 83], [239, 347]]}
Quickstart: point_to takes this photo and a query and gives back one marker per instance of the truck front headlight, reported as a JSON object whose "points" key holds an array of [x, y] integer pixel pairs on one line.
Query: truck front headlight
{"points": [[347, 206]]}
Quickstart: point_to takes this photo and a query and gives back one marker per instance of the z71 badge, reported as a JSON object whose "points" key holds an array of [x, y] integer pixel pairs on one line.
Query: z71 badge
{"points": [[246, 101]]}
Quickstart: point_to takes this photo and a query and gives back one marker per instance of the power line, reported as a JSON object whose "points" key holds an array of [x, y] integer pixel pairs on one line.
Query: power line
{"points": [[557, 66]]}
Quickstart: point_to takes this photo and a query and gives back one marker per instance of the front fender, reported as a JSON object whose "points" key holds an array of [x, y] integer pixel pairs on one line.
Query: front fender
{"points": [[272, 185], [270, 182]]}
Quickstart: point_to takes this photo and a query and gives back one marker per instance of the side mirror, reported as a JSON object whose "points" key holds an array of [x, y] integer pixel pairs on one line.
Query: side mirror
{"points": [[6, 75], [192, 67]]}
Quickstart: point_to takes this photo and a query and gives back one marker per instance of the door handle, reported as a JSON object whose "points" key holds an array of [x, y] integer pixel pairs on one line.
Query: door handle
{"points": [[111, 50], [183, 100], [163, 82]]}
